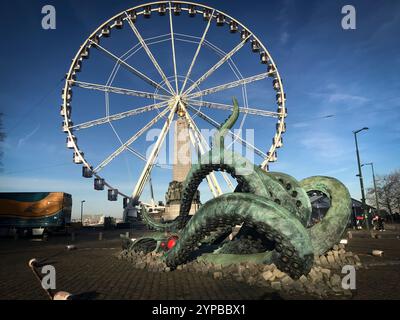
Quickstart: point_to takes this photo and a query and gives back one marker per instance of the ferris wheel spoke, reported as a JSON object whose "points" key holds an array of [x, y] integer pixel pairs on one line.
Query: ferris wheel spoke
{"points": [[143, 157], [118, 116], [130, 68], [200, 142], [129, 148], [127, 144], [173, 47], [117, 90], [153, 156], [232, 134], [217, 65], [229, 85], [222, 106], [197, 53], [228, 182], [149, 53]]}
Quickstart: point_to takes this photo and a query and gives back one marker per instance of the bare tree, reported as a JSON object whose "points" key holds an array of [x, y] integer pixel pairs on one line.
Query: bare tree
{"points": [[388, 190]]}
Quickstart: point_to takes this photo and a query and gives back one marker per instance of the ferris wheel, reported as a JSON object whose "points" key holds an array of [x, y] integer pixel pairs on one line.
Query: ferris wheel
{"points": [[168, 93]]}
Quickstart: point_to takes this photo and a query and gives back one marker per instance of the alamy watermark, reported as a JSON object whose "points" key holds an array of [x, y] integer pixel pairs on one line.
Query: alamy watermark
{"points": [[180, 148], [49, 278], [349, 20], [49, 19], [349, 280]]}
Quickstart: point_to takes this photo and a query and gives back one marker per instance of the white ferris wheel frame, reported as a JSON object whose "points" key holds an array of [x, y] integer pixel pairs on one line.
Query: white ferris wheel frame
{"points": [[170, 103]]}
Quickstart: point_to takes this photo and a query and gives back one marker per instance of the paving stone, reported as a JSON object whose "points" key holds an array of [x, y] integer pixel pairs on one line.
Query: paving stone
{"points": [[326, 272], [336, 280], [217, 275], [276, 285], [278, 274], [287, 281], [267, 275], [303, 279], [331, 259], [336, 255], [85, 270], [324, 261]]}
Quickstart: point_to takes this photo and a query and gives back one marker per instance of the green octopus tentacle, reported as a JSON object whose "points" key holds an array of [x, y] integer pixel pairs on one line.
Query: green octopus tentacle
{"points": [[278, 192], [208, 163], [159, 226], [219, 138], [297, 195], [325, 234], [293, 251], [272, 204]]}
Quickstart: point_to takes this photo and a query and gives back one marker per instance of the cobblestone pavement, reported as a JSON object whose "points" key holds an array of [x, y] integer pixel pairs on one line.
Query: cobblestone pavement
{"points": [[381, 277], [93, 272]]}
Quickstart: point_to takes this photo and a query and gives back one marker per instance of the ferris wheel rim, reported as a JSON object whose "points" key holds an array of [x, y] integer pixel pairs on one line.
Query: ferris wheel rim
{"points": [[88, 43]]}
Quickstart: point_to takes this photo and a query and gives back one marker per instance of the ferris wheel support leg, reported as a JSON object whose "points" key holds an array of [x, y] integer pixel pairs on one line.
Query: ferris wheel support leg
{"points": [[208, 178], [153, 156], [201, 143]]}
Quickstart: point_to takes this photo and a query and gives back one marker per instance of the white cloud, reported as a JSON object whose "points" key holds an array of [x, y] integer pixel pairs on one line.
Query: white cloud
{"points": [[340, 97], [284, 37], [23, 140], [323, 145], [336, 97], [301, 124]]}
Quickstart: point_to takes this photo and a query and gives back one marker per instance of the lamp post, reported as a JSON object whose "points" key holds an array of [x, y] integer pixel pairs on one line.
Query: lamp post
{"points": [[373, 177], [82, 202], [361, 177]]}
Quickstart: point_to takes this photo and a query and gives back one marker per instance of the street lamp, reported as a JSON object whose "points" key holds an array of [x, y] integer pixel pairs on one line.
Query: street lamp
{"points": [[373, 177], [82, 212], [360, 176]]}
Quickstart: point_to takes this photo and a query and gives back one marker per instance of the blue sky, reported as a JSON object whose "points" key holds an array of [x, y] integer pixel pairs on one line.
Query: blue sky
{"points": [[351, 74]]}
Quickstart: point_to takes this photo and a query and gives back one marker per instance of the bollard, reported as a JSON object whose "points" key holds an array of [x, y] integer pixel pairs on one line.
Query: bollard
{"points": [[377, 253], [62, 295], [350, 235], [127, 234], [32, 263], [100, 236]]}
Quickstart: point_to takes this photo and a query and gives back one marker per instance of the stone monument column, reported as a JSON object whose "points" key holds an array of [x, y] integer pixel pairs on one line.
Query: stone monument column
{"points": [[181, 167]]}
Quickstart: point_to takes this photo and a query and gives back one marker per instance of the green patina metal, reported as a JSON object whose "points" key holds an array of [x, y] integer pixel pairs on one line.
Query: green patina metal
{"points": [[272, 206]]}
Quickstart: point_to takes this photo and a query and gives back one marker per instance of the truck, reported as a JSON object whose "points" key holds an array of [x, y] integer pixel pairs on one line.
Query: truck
{"points": [[36, 213]]}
